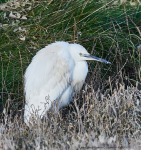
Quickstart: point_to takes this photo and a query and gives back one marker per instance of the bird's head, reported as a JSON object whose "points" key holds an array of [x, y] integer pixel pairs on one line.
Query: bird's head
{"points": [[79, 53]]}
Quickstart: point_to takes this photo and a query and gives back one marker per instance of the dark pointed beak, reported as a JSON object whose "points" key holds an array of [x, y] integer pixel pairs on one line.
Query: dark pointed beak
{"points": [[91, 57]]}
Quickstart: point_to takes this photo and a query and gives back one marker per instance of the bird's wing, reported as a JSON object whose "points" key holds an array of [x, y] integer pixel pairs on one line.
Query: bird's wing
{"points": [[49, 73]]}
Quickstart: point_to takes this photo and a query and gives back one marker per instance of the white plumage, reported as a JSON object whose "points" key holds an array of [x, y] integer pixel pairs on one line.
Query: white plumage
{"points": [[55, 72]]}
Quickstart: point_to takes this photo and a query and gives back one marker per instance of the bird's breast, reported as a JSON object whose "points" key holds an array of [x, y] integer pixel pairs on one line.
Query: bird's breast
{"points": [[79, 74]]}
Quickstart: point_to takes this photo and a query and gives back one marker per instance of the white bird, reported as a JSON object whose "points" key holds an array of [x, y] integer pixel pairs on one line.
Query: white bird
{"points": [[55, 72]]}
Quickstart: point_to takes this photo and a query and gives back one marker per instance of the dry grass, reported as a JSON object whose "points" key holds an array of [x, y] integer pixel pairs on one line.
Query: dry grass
{"points": [[91, 121]]}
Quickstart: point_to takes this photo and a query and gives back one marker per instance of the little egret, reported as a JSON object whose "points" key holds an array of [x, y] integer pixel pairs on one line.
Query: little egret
{"points": [[55, 72]]}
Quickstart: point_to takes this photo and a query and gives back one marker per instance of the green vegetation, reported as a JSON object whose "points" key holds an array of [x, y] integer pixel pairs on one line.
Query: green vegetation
{"points": [[2, 1], [107, 29]]}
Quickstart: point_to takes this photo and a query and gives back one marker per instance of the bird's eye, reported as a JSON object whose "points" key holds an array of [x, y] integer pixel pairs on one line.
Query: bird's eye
{"points": [[80, 54]]}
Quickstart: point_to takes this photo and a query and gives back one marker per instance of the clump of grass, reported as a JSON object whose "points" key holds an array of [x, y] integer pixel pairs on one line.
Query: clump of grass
{"points": [[92, 120]]}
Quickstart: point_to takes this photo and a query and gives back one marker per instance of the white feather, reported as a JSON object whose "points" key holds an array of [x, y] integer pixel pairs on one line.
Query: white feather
{"points": [[55, 72]]}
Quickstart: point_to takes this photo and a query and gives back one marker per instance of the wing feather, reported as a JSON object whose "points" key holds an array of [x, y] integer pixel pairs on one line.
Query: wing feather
{"points": [[48, 74]]}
